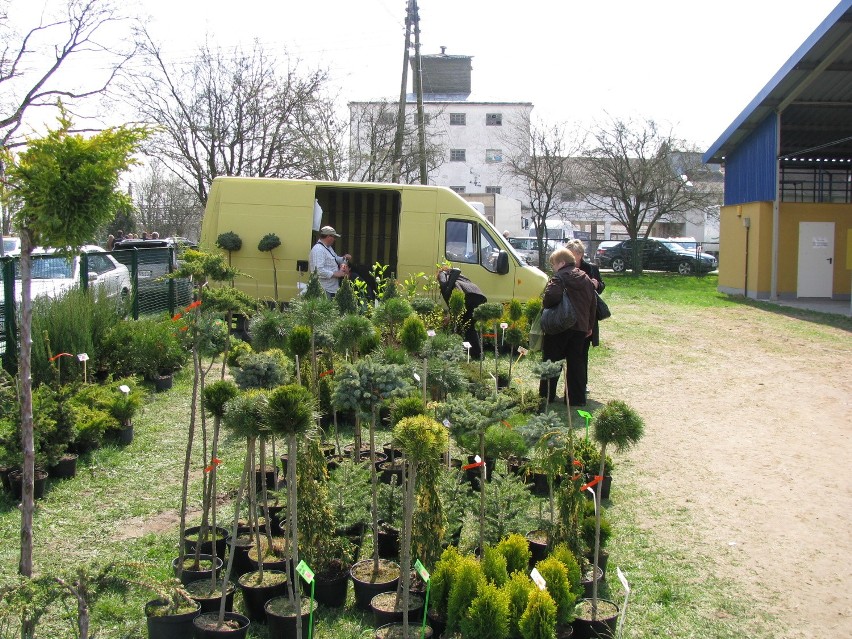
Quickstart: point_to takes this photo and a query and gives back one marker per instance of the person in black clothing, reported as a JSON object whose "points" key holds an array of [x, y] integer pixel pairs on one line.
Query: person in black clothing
{"points": [[578, 249], [569, 345]]}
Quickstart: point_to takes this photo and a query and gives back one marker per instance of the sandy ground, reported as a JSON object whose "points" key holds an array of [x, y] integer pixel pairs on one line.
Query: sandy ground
{"points": [[749, 417]]}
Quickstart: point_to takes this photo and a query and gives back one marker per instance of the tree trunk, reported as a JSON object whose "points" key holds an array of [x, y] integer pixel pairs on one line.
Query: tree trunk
{"points": [[25, 565], [292, 495], [482, 477], [375, 484], [243, 480], [405, 551], [597, 535], [186, 463]]}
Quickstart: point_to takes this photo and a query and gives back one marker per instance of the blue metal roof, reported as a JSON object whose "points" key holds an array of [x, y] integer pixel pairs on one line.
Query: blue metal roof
{"points": [[813, 92]]}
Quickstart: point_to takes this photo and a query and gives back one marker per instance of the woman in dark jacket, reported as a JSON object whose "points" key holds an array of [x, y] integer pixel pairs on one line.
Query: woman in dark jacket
{"points": [[569, 345], [578, 249]]}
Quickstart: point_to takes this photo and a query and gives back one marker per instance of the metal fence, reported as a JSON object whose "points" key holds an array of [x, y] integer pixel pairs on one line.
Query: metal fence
{"points": [[150, 290]]}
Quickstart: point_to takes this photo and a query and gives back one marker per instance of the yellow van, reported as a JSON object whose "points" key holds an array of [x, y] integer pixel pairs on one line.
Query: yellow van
{"points": [[409, 228]]}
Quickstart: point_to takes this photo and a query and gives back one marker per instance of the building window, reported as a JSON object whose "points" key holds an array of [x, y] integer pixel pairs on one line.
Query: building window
{"points": [[493, 189], [493, 119], [457, 189], [458, 119], [493, 155], [387, 118], [457, 155]]}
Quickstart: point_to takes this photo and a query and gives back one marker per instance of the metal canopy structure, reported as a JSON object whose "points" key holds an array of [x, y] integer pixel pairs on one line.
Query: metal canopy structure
{"points": [[812, 98]]}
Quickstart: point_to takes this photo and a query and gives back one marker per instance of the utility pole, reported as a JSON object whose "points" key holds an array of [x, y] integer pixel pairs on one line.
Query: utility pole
{"points": [[400, 113], [418, 87]]}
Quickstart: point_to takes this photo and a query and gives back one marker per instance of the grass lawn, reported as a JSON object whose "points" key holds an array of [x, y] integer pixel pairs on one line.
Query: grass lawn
{"points": [[122, 507]]}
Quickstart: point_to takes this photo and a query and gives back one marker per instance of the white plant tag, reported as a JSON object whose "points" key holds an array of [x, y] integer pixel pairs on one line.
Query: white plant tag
{"points": [[83, 357], [430, 333], [538, 579]]}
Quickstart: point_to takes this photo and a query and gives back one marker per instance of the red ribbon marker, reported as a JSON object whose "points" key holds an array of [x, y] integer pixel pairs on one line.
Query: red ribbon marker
{"points": [[330, 371], [473, 465], [592, 483], [213, 465], [489, 335], [195, 304], [508, 425], [58, 355], [177, 316]]}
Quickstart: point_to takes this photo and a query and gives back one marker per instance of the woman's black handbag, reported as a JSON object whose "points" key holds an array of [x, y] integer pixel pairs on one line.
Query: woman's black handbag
{"points": [[603, 310], [559, 318]]}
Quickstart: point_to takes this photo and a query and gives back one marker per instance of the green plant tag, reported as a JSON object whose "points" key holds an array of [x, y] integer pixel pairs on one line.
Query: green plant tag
{"points": [[421, 570], [587, 416], [305, 572]]}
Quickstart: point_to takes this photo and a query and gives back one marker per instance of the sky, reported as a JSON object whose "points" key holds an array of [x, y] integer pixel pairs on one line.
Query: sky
{"points": [[691, 65]]}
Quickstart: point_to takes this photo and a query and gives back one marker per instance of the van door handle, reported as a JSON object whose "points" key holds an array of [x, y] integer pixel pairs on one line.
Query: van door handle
{"points": [[829, 260]]}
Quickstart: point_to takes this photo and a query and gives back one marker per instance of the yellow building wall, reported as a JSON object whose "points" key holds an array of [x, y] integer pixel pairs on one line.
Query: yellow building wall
{"points": [[732, 246], [788, 242], [732, 249]]}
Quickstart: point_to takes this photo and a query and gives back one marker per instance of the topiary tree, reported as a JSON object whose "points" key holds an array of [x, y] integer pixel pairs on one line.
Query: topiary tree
{"points": [[267, 244], [618, 425], [229, 241], [62, 188], [290, 414], [422, 441]]}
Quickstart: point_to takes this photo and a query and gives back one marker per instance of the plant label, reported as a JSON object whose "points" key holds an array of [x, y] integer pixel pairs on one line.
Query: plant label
{"points": [[446, 423], [83, 357], [467, 345], [504, 325], [430, 333], [538, 579], [522, 350], [305, 572], [416, 378], [124, 388], [421, 570]]}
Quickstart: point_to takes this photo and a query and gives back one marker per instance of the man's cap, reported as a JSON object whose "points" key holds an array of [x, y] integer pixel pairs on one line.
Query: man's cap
{"points": [[329, 230]]}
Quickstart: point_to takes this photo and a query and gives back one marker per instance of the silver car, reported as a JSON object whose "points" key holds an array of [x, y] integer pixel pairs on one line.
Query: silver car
{"points": [[527, 248], [53, 274]]}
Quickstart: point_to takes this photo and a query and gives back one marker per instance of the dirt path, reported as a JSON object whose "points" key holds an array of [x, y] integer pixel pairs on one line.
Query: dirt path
{"points": [[749, 419]]}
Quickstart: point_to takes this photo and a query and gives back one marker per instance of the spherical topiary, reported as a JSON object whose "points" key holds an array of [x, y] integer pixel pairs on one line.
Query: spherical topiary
{"points": [[299, 341], [618, 425], [269, 242], [531, 309], [291, 409], [217, 394], [412, 334], [229, 241]]}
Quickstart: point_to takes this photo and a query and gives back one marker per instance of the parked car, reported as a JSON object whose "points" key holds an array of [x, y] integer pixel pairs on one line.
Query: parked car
{"points": [[527, 248], [657, 255], [603, 247], [53, 273]]}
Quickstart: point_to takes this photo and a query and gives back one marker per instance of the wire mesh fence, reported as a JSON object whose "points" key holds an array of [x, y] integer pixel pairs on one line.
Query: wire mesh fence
{"points": [[140, 276]]}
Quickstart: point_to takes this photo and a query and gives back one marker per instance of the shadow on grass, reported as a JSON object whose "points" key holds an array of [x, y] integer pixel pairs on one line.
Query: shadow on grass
{"points": [[834, 320]]}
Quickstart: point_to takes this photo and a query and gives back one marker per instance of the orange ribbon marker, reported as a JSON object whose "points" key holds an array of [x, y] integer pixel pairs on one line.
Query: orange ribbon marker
{"points": [[58, 355], [213, 465], [592, 483]]}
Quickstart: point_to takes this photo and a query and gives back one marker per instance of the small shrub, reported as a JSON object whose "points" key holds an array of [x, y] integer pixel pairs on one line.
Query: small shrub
{"points": [[494, 566], [518, 589], [556, 575], [516, 550], [563, 554], [422, 305], [539, 618], [488, 615], [442, 578], [268, 329], [261, 370], [467, 581], [238, 349]]}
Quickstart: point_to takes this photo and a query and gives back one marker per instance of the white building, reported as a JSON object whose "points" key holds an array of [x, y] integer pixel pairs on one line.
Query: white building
{"points": [[468, 133]]}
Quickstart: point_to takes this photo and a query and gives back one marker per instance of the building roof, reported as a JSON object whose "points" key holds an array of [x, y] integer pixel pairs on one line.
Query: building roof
{"points": [[813, 93]]}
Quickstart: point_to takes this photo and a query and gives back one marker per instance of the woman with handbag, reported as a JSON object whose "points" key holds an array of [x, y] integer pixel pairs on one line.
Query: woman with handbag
{"points": [[568, 344], [578, 249]]}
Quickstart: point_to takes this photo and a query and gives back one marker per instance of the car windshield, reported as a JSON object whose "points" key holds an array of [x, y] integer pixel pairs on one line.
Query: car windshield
{"points": [[50, 267], [674, 246]]}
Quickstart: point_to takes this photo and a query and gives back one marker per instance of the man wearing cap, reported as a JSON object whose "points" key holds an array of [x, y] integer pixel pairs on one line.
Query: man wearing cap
{"points": [[330, 266]]}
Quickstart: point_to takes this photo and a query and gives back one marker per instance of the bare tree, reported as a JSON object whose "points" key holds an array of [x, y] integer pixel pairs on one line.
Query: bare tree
{"points": [[373, 128], [234, 113], [33, 63], [163, 203], [639, 174], [539, 161]]}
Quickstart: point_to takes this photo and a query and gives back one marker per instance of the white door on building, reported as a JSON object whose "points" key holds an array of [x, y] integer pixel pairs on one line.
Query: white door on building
{"points": [[816, 259]]}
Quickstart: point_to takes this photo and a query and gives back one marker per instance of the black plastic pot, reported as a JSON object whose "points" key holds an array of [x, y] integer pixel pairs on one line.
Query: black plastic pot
{"points": [[65, 468], [330, 589], [388, 542], [256, 596], [284, 626], [163, 382], [16, 483], [603, 559], [603, 627], [414, 631], [271, 478], [366, 590], [588, 582], [169, 626], [210, 604], [382, 617], [537, 548], [201, 631], [125, 436], [221, 534], [190, 574], [242, 565]]}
